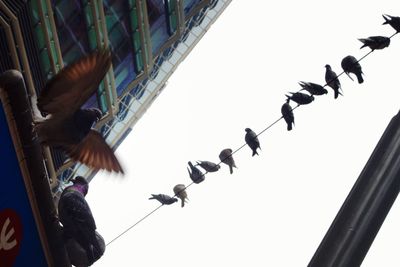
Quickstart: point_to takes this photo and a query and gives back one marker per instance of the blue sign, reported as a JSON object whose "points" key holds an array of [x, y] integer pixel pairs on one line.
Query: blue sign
{"points": [[20, 245]]}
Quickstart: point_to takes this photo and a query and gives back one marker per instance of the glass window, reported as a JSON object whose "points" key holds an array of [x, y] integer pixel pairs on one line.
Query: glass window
{"points": [[159, 30], [188, 5]]}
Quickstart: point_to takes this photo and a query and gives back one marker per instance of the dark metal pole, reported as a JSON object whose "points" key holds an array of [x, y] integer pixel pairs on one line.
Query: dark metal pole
{"points": [[359, 219]]}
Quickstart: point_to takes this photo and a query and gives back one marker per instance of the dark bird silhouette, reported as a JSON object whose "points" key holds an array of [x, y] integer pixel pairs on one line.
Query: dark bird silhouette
{"points": [[375, 42], [392, 21], [332, 80], [77, 219], [208, 165], [226, 157], [164, 199], [252, 141], [300, 98], [70, 127], [180, 192], [313, 88], [195, 174], [351, 65], [287, 113]]}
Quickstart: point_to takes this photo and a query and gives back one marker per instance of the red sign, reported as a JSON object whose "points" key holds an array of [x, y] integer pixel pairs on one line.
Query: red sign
{"points": [[10, 237]]}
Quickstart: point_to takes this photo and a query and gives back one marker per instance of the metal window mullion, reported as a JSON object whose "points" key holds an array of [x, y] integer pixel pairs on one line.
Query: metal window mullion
{"points": [[55, 35], [144, 30]]}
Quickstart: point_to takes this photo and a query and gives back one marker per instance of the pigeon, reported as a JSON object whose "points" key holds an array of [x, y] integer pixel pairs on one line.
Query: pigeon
{"points": [[287, 113], [180, 191], [164, 199], [332, 80], [195, 174], [313, 88], [208, 165], [300, 98], [375, 42], [351, 65], [70, 127], [226, 157], [77, 255], [392, 21], [252, 140], [77, 219]]}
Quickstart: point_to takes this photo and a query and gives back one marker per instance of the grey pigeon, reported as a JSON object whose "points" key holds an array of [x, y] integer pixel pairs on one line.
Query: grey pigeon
{"points": [[252, 140], [195, 174], [300, 98], [70, 127], [164, 199], [332, 80], [226, 157], [208, 165], [375, 42], [180, 192], [392, 21], [77, 219], [313, 88], [351, 65], [287, 113]]}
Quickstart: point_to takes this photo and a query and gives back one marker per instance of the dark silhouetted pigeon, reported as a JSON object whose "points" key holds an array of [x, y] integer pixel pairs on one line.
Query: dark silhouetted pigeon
{"points": [[313, 88], [300, 98], [164, 199], [180, 192], [70, 127], [375, 42], [287, 113], [208, 165], [77, 219], [351, 65], [332, 80], [392, 21], [226, 157], [252, 140], [195, 174]]}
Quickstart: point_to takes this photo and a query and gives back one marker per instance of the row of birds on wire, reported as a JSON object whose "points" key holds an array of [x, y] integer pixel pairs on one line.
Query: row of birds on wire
{"points": [[68, 126], [349, 64]]}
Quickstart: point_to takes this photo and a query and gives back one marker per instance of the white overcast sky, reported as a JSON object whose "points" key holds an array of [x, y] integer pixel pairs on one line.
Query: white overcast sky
{"points": [[275, 208]]}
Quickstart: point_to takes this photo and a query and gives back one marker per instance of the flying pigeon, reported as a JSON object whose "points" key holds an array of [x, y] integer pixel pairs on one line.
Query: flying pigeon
{"points": [[208, 165], [392, 21], [226, 157], [287, 113], [332, 80], [252, 140], [180, 192], [164, 199], [77, 219], [70, 127], [195, 174], [351, 65], [300, 98], [313, 88], [375, 42]]}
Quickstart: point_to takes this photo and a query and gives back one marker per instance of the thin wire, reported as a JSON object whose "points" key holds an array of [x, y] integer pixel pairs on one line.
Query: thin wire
{"points": [[242, 146]]}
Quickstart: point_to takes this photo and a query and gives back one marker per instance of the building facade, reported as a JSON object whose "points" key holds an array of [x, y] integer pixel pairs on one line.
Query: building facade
{"points": [[148, 39]]}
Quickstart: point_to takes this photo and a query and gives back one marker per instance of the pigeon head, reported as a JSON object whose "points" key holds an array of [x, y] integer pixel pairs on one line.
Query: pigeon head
{"points": [[247, 130], [81, 184], [328, 67]]}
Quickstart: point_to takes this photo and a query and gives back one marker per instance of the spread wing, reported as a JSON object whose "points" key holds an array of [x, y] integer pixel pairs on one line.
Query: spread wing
{"points": [[69, 89], [94, 152]]}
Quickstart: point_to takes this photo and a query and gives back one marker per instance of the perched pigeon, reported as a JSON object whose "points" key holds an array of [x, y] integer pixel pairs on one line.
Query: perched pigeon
{"points": [[375, 42], [332, 80], [226, 157], [392, 21], [70, 127], [77, 219], [208, 165], [313, 88], [180, 191], [351, 65], [164, 199], [195, 174], [252, 140], [287, 113], [300, 98]]}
